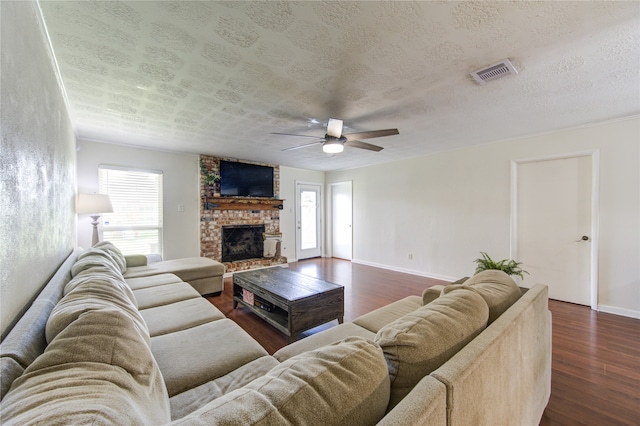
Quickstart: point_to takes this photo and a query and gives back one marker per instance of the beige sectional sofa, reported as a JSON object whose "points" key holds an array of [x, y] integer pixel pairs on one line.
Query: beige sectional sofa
{"points": [[100, 346], [204, 274]]}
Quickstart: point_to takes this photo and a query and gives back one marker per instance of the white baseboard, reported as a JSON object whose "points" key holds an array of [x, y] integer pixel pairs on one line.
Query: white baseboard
{"points": [[619, 311], [601, 308], [407, 271]]}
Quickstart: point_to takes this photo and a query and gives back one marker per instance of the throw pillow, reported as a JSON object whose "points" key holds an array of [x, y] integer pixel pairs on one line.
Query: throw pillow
{"points": [[430, 294], [97, 371], [95, 258], [93, 293], [97, 285], [114, 252], [134, 260], [496, 288], [422, 341]]}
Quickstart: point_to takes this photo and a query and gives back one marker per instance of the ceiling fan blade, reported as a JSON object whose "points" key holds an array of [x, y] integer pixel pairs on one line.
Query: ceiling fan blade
{"points": [[363, 145], [372, 134], [303, 146], [293, 134]]}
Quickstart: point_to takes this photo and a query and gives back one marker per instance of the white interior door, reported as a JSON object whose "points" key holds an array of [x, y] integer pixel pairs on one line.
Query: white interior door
{"points": [[308, 220], [341, 220], [554, 225]]}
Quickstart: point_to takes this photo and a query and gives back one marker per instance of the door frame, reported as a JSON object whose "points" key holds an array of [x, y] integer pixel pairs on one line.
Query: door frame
{"points": [[595, 210], [319, 219], [331, 223]]}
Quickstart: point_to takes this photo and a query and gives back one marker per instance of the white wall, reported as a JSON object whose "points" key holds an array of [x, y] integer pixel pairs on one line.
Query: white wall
{"points": [[37, 162], [443, 208], [447, 207], [181, 233], [180, 180], [288, 178]]}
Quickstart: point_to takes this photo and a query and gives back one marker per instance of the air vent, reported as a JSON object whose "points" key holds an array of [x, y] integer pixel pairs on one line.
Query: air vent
{"points": [[494, 72]]}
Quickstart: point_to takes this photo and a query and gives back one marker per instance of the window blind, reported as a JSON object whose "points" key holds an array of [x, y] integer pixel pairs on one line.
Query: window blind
{"points": [[135, 226]]}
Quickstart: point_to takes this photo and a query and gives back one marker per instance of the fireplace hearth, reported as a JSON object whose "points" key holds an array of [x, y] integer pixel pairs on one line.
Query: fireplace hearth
{"points": [[240, 242]]}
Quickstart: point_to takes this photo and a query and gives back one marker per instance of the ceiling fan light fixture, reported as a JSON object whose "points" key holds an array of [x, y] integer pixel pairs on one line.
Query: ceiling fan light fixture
{"points": [[333, 146], [334, 128]]}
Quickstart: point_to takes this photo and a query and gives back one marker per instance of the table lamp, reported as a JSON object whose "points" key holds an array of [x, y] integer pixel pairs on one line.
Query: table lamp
{"points": [[94, 205]]}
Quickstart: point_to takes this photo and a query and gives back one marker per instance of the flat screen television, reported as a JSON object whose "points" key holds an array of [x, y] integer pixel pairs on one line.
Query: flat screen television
{"points": [[245, 180]]}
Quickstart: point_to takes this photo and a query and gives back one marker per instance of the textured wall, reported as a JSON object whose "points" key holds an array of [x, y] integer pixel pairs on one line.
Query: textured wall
{"points": [[37, 169]]}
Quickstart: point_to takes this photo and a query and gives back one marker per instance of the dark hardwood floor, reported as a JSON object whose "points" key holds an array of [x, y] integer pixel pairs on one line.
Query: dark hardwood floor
{"points": [[595, 356], [595, 377]]}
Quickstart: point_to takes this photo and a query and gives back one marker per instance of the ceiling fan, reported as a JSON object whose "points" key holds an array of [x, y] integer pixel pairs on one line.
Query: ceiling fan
{"points": [[334, 141]]}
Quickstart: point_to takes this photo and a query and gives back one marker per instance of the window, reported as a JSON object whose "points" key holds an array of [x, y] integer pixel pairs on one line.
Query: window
{"points": [[135, 226]]}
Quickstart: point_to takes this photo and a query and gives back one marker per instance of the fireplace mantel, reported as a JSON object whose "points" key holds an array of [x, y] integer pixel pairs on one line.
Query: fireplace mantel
{"points": [[241, 203]]}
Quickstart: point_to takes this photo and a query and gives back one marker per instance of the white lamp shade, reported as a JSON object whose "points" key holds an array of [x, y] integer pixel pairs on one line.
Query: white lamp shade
{"points": [[93, 204], [333, 146]]}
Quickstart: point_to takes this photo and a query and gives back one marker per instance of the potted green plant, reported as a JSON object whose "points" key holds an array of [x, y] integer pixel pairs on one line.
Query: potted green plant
{"points": [[509, 266], [211, 179]]}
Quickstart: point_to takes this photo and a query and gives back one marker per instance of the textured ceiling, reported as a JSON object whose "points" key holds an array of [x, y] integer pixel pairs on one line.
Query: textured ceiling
{"points": [[219, 77]]}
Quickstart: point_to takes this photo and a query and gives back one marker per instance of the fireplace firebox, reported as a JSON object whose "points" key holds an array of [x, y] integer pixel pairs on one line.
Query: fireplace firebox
{"points": [[241, 242]]}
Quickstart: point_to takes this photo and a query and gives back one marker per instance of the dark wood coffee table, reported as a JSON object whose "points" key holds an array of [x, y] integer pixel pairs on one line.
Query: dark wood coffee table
{"points": [[289, 301]]}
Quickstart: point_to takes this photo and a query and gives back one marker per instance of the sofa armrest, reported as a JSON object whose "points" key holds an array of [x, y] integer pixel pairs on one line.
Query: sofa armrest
{"points": [[426, 404], [134, 260], [509, 361]]}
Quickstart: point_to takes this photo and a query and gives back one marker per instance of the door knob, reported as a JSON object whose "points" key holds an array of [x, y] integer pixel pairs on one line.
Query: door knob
{"points": [[584, 238]]}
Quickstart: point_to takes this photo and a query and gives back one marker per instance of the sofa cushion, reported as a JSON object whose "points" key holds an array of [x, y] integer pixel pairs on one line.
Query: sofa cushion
{"points": [[432, 293], [421, 341], [152, 281], [326, 337], [187, 402], [103, 257], [497, 289], [164, 294], [97, 371], [180, 316], [375, 320], [343, 384], [210, 286], [191, 357], [114, 252], [99, 274], [98, 262], [188, 268], [89, 291]]}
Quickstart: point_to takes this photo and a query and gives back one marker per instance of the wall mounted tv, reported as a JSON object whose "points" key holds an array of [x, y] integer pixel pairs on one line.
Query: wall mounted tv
{"points": [[245, 180]]}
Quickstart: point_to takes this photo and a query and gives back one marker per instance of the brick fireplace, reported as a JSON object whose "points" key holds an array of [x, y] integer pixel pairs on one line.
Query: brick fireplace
{"points": [[243, 212]]}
